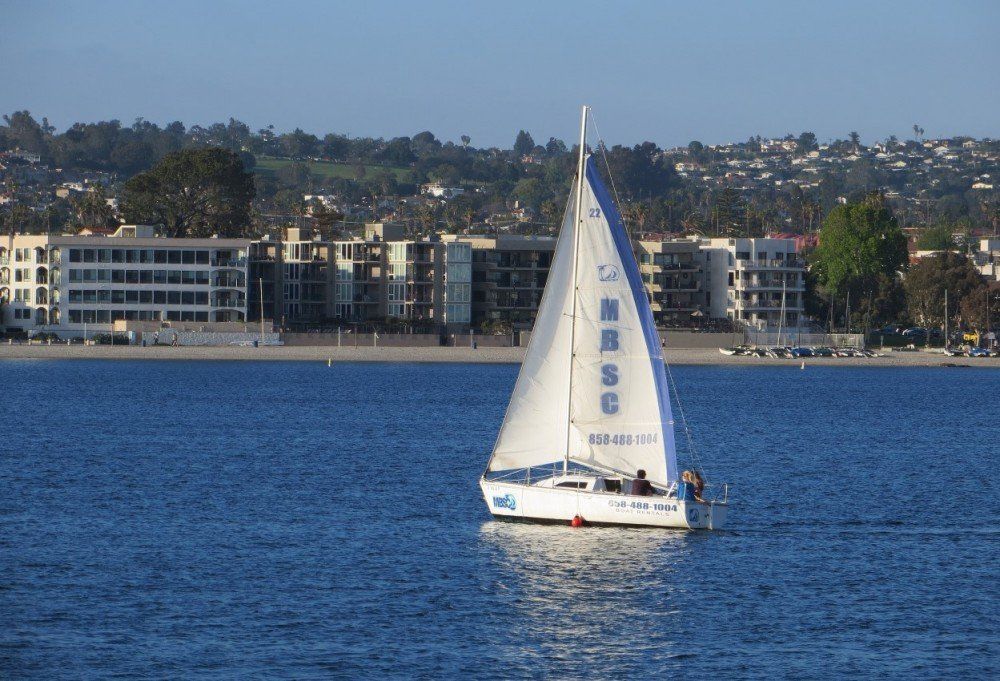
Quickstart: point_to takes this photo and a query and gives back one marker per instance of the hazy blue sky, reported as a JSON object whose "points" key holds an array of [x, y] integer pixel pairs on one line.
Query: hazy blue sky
{"points": [[669, 72]]}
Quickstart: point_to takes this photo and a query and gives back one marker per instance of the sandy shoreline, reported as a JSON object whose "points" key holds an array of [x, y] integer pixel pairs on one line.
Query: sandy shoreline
{"points": [[679, 356]]}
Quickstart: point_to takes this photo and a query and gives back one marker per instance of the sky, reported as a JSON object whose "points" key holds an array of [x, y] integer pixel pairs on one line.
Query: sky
{"points": [[668, 72]]}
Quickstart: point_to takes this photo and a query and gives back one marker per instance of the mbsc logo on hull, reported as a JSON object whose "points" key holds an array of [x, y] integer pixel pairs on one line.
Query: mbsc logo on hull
{"points": [[506, 501]]}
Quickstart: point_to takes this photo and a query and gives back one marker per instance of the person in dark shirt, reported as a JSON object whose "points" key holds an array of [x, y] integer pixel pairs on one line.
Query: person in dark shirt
{"points": [[641, 486]]}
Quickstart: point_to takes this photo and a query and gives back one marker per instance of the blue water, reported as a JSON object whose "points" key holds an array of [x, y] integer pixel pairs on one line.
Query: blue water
{"points": [[234, 520]]}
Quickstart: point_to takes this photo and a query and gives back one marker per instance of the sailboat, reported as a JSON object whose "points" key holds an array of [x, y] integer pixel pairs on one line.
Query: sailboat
{"points": [[591, 408]]}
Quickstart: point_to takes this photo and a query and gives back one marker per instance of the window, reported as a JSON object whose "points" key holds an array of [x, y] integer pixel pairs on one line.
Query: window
{"points": [[397, 271], [173, 297], [345, 271], [397, 250], [173, 257], [397, 292], [396, 309], [457, 252], [573, 484], [345, 292], [187, 257], [742, 255], [458, 293], [201, 258], [459, 272], [457, 313], [75, 255]]}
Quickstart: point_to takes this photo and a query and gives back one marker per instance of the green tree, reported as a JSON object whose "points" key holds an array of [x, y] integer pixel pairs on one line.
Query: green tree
{"points": [[936, 238], [979, 302], [25, 133], [927, 281], [324, 218], [193, 192], [91, 209], [859, 242], [806, 142], [523, 144], [855, 141], [531, 192]]}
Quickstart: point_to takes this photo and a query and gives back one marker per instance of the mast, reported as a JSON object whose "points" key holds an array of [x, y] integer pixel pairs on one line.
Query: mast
{"points": [[577, 223], [945, 323], [781, 321]]}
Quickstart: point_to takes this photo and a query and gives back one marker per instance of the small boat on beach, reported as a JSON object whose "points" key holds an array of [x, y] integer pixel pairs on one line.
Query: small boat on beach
{"points": [[590, 420]]}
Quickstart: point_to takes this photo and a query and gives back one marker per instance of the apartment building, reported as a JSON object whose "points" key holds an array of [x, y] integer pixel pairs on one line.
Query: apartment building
{"points": [[71, 285], [379, 277], [987, 258], [508, 276], [756, 282], [673, 274], [290, 279]]}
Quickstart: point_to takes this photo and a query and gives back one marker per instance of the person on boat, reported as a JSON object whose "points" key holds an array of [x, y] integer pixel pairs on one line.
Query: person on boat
{"points": [[641, 486], [699, 485]]}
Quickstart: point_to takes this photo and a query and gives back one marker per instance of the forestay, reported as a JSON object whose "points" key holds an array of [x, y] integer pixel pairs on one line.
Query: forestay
{"points": [[606, 396]]}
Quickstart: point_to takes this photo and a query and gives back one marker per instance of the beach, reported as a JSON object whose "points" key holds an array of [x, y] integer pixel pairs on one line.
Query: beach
{"points": [[679, 356]]}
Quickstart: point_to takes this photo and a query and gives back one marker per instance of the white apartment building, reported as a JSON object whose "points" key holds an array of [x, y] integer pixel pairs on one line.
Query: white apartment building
{"points": [[987, 258], [72, 285], [756, 282]]}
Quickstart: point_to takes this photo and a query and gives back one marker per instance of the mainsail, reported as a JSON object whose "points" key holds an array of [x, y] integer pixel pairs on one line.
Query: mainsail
{"points": [[592, 388]]}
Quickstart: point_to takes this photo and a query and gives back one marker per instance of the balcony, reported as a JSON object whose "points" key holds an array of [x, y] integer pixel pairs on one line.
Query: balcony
{"points": [[768, 285], [228, 282], [229, 301], [229, 262], [771, 264]]}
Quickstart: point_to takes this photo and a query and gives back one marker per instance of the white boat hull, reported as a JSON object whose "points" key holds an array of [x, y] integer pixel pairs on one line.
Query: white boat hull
{"points": [[515, 501]]}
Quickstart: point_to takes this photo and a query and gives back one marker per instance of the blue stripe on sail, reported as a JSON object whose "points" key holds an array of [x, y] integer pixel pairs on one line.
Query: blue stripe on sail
{"points": [[624, 248]]}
